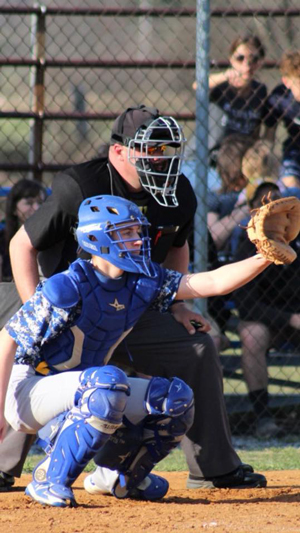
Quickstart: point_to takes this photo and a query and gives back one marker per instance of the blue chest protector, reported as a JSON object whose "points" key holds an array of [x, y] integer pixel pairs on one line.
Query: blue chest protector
{"points": [[109, 310]]}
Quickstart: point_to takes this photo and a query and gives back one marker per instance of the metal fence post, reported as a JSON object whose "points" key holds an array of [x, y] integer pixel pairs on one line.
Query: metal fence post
{"points": [[202, 102], [37, 76]]}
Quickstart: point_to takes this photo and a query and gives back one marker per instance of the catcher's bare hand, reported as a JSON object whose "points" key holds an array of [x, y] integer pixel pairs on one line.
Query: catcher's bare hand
{"points": [[273, 226]]}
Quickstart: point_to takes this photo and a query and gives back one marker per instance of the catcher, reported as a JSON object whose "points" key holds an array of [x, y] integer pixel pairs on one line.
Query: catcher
{"points": [[62, 339], [269, 307]]}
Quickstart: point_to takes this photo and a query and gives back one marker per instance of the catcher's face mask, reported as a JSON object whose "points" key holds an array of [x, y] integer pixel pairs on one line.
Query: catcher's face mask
{"points": [[157, 152]]}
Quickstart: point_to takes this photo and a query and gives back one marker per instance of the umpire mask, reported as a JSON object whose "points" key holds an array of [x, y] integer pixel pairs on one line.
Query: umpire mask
{"points": [[157, 152]]}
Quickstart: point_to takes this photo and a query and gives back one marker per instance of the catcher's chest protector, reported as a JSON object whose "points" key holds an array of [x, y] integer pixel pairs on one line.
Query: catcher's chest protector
{"points": [[110, 308]]}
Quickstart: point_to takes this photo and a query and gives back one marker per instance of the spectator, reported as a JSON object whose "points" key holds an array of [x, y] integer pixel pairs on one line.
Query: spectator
{"points": [[226, 208], [269, 311], [23, 199], [259, 162], [284, 107], [236, 91], [142, 164]]}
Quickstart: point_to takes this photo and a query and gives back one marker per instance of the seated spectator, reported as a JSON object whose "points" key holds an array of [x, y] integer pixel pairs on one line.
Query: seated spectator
{"points": [[226, 208], [284, 108], [259, 162], [269, 311], [24, 198], [238, 93]]}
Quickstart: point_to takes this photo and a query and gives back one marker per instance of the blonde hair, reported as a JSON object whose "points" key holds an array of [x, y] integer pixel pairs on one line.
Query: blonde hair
{"points": [[290, 64], [260, 162]]}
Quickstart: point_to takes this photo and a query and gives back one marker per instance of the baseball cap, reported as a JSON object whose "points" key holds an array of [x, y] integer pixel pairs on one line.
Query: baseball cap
{"points": [[253, 187], [127, 124]]}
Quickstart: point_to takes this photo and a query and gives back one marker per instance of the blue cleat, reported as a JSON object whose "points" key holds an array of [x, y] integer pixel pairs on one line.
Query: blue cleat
{"points": [[51, 494], [152, 488]]}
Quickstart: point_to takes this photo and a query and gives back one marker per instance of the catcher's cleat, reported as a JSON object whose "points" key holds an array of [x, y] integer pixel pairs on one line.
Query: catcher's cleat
{"points": [[51, 494], [152, 488], [241, 478], [6, 482]]}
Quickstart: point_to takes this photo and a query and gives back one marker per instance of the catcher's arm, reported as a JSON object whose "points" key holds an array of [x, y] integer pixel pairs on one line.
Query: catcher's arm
{"points": [[223, 280]]}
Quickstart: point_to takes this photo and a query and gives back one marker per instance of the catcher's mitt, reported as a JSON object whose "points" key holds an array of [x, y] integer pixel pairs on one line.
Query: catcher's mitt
{"points": [[273, 226]]}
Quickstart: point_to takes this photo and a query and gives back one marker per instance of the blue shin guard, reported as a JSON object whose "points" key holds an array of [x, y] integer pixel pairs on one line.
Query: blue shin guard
{"points": [[100, 403], [170, 407]]}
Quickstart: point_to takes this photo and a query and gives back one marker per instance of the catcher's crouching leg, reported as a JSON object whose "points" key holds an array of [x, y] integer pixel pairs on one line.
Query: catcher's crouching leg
{"points": [[126, 461], [98, 411]]}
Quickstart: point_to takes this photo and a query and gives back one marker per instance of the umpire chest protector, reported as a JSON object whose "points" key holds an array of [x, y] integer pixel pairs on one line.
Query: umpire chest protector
{"points": [[109, 310]]}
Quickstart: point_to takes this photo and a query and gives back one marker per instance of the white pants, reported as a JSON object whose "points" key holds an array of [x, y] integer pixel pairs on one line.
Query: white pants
{"points": [[32, 401]]}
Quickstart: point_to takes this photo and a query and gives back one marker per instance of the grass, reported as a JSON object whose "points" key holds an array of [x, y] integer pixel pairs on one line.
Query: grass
{"points": [[263, 456]]}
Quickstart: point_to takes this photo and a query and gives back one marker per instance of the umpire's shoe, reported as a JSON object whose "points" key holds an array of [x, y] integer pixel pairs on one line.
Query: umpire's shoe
{"points": [[6, 482], [152, 488], [241, 478]]}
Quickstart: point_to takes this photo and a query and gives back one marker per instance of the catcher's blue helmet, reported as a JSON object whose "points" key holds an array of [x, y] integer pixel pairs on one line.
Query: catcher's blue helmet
{"points": [[99, 217]]}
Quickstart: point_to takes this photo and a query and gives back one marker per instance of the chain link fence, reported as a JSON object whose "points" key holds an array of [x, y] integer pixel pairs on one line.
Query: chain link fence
{"points": [[68, 72]]}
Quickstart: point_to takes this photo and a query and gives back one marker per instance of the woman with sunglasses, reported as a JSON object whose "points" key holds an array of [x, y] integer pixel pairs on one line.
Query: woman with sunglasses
{"points": [[236, 91]]}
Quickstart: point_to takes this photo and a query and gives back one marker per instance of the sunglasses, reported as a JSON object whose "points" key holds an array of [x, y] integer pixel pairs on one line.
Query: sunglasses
{"points": [[161, 147], [252, 60]]}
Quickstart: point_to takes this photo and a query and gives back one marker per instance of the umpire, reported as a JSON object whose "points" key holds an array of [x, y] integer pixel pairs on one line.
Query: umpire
{"points": [[159, 345]]}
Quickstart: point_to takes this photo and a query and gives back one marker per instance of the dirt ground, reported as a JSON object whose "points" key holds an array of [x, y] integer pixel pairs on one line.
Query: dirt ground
{"points": [[269, 510]]}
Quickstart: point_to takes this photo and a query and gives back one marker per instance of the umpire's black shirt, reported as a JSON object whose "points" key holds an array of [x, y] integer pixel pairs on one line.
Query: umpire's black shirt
{"points": [[51, 228]]}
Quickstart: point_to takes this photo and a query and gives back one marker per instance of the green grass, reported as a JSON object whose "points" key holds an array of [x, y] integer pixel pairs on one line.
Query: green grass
{"points": [[275, 455]]}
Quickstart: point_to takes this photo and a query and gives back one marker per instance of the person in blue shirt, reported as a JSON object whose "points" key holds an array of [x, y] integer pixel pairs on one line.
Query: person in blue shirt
{"points": [[54, 371], [284, 108]]}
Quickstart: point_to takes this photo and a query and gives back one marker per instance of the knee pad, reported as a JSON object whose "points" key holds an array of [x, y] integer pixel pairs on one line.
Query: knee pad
{"points": [[170, 398], [101, 396]]}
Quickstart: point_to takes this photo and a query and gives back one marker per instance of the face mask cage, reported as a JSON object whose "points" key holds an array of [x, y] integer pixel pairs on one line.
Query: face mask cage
{"points": [[126, 255], [157, 152]]}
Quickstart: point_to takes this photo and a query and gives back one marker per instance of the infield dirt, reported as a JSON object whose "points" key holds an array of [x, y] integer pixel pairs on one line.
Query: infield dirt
{"points": [[271, 510]]}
